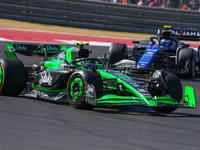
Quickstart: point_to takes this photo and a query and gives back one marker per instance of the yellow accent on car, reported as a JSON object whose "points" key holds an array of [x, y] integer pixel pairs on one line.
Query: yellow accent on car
{"points": [[169, 27], [81, 43]]}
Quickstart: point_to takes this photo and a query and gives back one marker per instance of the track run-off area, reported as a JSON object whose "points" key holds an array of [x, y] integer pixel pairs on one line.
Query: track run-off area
{"points": [[56, 37], [35, 124]]}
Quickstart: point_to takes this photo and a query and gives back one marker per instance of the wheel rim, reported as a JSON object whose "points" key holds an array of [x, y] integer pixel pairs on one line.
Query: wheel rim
{"points": [[76, 89]]}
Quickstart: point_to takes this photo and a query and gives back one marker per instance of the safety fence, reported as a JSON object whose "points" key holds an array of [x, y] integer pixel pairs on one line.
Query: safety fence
{"points": [[98, 15]]}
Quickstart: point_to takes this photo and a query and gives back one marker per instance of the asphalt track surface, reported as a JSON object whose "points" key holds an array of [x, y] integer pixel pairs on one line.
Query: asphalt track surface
{"points": [[33, 124]]}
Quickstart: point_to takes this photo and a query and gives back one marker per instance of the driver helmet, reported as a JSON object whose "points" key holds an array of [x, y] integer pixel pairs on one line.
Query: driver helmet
{"points": [[90, 64], [165, 42]]}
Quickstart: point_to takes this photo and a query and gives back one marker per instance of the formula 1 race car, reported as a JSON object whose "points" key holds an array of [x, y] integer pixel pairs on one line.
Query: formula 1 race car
{"points": [[163, 51], [85, 82]]}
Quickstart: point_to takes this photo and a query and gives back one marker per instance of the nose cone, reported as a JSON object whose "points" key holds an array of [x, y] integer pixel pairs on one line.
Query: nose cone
{"points": [[146, 58]]}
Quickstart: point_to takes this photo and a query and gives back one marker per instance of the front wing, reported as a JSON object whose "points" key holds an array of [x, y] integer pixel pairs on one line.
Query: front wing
{"points": [[188, 100]]}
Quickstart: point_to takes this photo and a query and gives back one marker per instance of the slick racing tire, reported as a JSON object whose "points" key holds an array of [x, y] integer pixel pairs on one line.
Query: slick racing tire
{"points": [[167, 83], [12, 77], [77, 86], [198, 53], [116, 53], [186, 61]]}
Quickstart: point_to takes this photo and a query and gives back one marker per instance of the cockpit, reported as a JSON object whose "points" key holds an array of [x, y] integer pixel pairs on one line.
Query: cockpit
{"points": [[90, 63]]}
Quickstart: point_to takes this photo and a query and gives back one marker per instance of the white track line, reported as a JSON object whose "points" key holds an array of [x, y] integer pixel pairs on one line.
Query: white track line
{"points": [[4, 39]]}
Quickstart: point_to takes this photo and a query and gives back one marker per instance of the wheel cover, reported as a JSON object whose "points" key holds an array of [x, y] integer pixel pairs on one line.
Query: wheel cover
{"points": [[76, 89]]}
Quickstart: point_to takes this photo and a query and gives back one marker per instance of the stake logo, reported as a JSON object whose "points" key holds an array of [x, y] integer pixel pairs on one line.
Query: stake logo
{"points": [[20, 47], [51, 48], [46, 78]]}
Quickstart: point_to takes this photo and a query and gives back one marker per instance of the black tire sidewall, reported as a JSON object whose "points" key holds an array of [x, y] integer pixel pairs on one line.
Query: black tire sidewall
{"points": [[169, 84], [14, 77], [183, 56], [174, 87]]}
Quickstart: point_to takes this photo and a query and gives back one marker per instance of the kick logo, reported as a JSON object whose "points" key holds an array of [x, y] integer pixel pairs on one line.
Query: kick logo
{"points": [[90, 89], [46, 78], [61, 56]]}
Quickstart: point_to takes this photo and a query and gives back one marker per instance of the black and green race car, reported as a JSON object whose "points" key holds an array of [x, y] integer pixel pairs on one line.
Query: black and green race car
{"points": [[71, 75]]}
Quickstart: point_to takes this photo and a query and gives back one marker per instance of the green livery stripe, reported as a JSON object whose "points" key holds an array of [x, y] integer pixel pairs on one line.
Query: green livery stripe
{"points": [[188, 102], [63, 47], [116, 99], [10, 46], [109, 87], [134, 91], [46, 90], [167, 99], [69, 54], [127, 103], [10, 54], [53, 64]]}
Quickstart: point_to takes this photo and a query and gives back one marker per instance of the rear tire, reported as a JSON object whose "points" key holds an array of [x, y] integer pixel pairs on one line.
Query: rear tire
{"points": [[186, 61], [116, 53], [198, 53], [12, 77], [77, 86]]}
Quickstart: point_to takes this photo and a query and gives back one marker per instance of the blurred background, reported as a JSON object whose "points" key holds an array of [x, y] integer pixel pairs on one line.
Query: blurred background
{"points": [[133, 16], [178, 4]]}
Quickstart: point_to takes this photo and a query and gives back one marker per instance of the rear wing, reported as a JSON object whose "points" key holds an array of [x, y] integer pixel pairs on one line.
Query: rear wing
{"points": [[33, 50], [193, 35], [182, 34]]}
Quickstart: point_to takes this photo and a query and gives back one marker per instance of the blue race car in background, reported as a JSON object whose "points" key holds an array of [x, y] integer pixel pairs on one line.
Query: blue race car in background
{"points": [[163, 51]]}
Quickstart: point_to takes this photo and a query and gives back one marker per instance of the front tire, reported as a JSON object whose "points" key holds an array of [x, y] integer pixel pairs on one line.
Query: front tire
{"points": [[169, 84], [77, 86]]}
